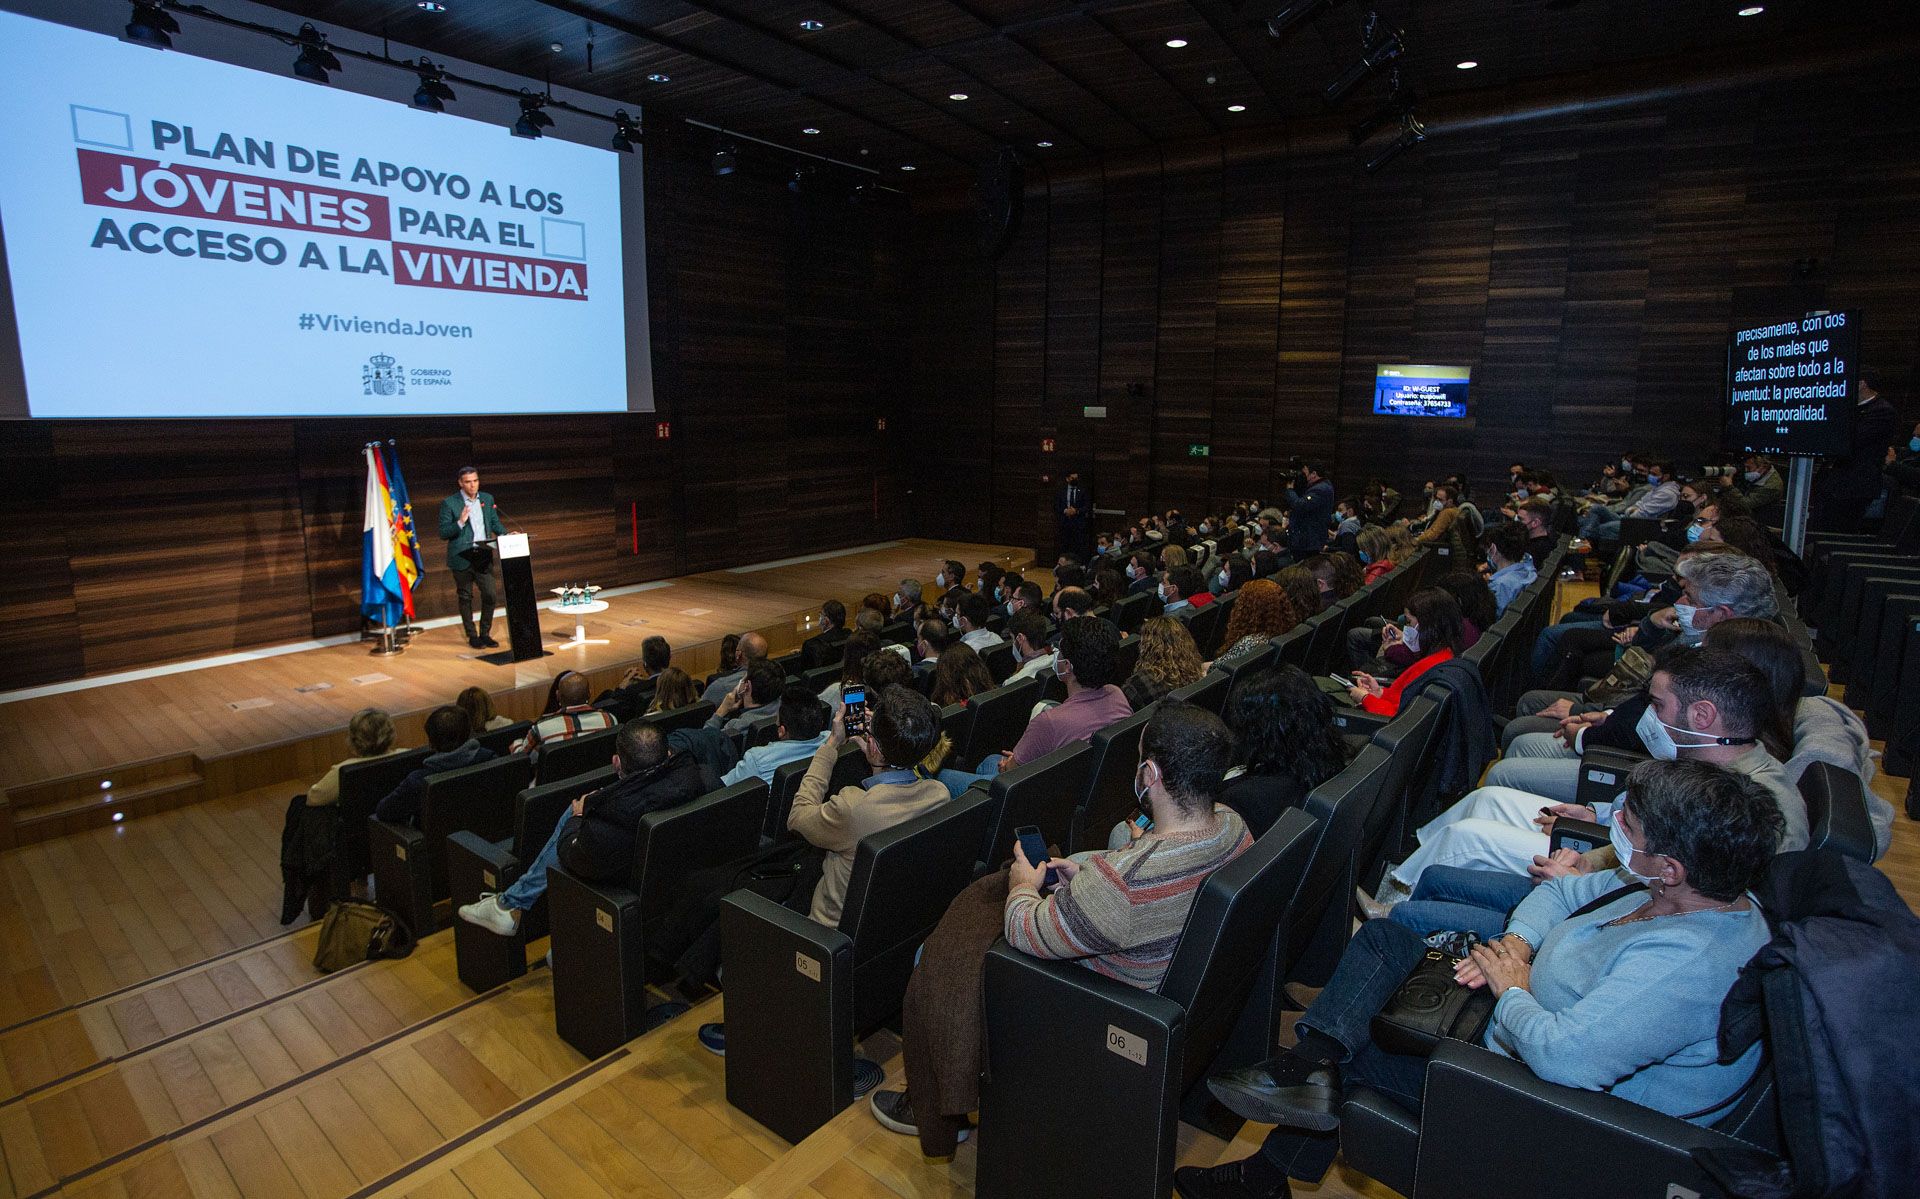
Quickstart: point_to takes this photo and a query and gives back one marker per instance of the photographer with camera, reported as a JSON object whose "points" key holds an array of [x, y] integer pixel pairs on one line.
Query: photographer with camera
{"points": [[1309, 499]]}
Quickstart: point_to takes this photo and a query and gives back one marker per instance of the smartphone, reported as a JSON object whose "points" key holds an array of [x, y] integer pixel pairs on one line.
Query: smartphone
{"points": [[1035, 847], [1341, 679], [1143, 822], [856, 701]]}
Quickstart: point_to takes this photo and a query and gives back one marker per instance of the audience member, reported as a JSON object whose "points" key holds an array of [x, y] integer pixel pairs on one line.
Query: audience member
{"points": [[906, 599], [1168, 660], [752, 701], [959, 675], [1449, 527], [1511, 568], [1433, 630], [478, 706], [801, 729], [859, 646], [634, 695], [1849, 483], [1309, 511], [595, 840], [931, 636], [1261, 613], [1116, 912], [988, 580], [1285, 744], [369, 736], [1601, 522], [568, 715], [873, 601], [1089, 652], [673, 689], [450, 734], [1378, 646], [825, 646], [976, 611], [1142, 574], [1621, 995], [1761, 486], [752, 648], [1303, 589], [1108, 588], [1375, 550]]}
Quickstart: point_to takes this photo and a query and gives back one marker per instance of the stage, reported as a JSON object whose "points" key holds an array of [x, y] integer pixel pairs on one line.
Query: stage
{"points": [[189, 731]]}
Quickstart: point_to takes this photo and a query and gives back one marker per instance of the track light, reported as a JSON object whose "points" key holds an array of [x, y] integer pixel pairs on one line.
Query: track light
{"points": [[433, 93], [626, 131], [1412, 133], [1381, 54], [315, 61], [725, 157], [532, 120], [1284, 22], [151, 25]]}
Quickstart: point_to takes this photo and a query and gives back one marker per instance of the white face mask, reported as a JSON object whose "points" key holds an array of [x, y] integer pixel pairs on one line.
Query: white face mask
{"points": [[1225, 578], [1410, 637], [1624, 848], [1684, 613], [940, 580], [1133, 572], [1754, 476], [1657, 735]]}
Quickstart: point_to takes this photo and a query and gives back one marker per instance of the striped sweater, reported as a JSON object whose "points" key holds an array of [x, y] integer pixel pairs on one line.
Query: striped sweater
{"points": [[1122, 914]]}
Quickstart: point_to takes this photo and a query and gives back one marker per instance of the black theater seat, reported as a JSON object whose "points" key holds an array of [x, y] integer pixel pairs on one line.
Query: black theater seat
{"points": [[410, 864]]}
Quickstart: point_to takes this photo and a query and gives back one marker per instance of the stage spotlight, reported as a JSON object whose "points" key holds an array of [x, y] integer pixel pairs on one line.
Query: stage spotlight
{"points": [[1284, 22], [725, 157], [1400, 102], [532, 120], [315, 61], [626, 131], [152, 25], [1412, 133], [433, 93], [1381, 54]]}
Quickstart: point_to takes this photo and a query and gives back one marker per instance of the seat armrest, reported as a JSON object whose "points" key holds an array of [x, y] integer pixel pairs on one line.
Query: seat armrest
{"points": [[402, 877], [1577, 835], [1358, 721], [1123, 1049], [1380, 1138], [1603, 775], [1470, 1090], [475, 865]]}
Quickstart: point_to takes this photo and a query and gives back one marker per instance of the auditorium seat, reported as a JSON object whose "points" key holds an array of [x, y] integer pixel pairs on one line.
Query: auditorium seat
{"points": [[410, 864], [601, 957], [1135, 1061], [1130, 612], [1321, 917], [1209, 691], [800, 994], [674, 719], [848, 769], [1113, 757], [1044, 793], [475, 866], [501, 740], [362, 786], [577, 755], [1000, 662], [999, 717]]}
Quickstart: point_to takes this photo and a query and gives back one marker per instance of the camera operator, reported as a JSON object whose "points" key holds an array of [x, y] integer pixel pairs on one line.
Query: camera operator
{"points": [[1310, 511]]}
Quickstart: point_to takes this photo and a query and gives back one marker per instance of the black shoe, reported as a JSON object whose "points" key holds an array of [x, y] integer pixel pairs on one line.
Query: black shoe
{"points": [[475, 642], [895, 1111], [1228, 1181], [489, 642], [660, 1013], [1287, 1090]]}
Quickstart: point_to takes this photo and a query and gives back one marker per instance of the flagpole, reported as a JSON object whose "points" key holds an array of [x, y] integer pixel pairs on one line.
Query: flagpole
{"points": [[385, 647], [407, 630]]}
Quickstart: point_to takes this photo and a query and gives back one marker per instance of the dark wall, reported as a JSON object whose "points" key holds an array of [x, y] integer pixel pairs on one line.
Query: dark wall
{"points": [[1587, 266], [780, 334]]}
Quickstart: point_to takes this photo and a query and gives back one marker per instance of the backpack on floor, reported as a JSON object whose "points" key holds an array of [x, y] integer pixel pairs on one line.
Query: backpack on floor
{"points": [[355, 932]]}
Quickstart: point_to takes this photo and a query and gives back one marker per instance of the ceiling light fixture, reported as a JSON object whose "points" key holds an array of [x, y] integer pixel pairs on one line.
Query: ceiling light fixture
{"points": [[1412, 133], [657, 77], [626, 131], [532, 120], [315, 59], [956, 95], [1468, 65], [809, 131], [1753, 10], [1236, 108], [1044, 145], [433, 93], [812, 26], [725, 157], [1176, 43], [1284, 22], [1379, 55], [151, 26], [907, 166]]}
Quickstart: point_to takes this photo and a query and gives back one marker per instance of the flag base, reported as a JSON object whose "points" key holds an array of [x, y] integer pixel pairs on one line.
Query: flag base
{"points": [[386, 646]]}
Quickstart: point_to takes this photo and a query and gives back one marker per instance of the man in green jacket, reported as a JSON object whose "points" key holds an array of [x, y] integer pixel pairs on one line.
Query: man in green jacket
{"points": [[470, 525]]}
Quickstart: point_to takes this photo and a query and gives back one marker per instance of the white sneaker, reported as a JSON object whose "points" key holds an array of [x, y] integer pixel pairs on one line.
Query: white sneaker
{"points": [[489, 913]]}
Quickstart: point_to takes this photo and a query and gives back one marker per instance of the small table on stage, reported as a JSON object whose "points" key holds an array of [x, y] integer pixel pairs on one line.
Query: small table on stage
{"points": [[578, 612]]}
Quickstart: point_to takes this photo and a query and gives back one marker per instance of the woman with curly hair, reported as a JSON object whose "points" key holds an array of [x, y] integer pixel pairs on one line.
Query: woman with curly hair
{"points": [[959, 675], [1262, 613], [1168, 659], [1285, 744], [1301, 587]]}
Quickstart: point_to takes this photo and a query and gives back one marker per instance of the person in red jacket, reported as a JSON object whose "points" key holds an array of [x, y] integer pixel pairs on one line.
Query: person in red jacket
{"points": [[1434, 630]]}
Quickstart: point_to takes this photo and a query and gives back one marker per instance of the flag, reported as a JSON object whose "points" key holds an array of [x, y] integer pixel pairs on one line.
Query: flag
{"points": [[382, 594], [406, 542]]}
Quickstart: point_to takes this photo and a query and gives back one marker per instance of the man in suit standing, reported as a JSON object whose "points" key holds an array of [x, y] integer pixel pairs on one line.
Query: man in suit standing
{"points": [[1309, 507], [1075, 518], [471, 527]]}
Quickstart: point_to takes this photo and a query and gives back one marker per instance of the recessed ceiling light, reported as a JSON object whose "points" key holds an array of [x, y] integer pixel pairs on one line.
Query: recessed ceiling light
{"points": [[429, 6], [907, 166], [1044, 145], [1176, 43], [657, 77], [956, 95], [812, 26], [1468, 65], [1236, 108], [810, 130], [1753, 10]]}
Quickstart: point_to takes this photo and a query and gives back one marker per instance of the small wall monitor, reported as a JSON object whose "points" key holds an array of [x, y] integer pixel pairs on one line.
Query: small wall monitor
{"points": [[1420, 391]]}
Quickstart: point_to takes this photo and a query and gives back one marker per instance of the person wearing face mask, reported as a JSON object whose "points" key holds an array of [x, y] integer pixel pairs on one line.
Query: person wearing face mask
{"points": [[1602, 982], [1086, 662], [1761, 486], [1183, 593], [1448, 526], [1141, 574], [1706, 705], [1601, 522], [1510, 568], [1118, 913], [1433, 629]]}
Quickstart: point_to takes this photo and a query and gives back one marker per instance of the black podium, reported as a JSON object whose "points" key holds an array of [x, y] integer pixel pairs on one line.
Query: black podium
{"points": [[523, 614]]}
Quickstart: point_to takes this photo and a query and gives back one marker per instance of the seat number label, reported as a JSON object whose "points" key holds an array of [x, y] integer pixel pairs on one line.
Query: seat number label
{"points": [[486, 876], [603, 918], [1601, 777], [802, 964], [1128, 1046], [400, 851]]}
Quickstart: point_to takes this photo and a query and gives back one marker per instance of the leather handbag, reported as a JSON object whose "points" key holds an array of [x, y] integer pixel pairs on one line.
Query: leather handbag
{"points": [[1430, 1007]]}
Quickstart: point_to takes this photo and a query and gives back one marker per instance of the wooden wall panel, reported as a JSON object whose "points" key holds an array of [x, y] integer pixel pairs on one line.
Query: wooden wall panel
{"points": [[1019, 381], [947, 419], [39, 626], [1587, 266]]}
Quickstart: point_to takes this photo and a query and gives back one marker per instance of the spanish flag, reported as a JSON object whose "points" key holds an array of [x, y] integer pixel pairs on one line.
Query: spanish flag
{"points": [[406, 543]]}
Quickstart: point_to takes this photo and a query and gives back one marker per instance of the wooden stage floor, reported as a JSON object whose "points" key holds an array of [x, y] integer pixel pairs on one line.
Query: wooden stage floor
{"points": [[247, 724]]}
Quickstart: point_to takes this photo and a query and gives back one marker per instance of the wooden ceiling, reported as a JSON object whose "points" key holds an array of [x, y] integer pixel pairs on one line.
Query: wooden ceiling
{"points": [[1092, 76]]}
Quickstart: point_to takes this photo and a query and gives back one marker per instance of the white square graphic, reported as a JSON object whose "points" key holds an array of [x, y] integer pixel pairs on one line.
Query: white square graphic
{"points": [[563, 239], [100, 127]]}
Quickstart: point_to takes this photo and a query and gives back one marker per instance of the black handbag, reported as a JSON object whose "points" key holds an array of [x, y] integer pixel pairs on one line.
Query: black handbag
{"points": [[1431, 1007]]}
